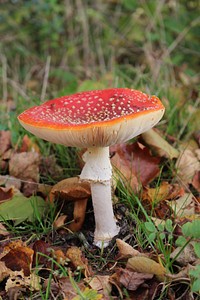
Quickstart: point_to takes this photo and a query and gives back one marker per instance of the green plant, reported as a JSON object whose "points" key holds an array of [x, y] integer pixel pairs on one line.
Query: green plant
{"points": [[191, 233], [161, 237]]}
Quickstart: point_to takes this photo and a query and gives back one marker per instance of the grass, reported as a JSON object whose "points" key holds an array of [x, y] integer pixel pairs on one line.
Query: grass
{"points": [[71, 46]]}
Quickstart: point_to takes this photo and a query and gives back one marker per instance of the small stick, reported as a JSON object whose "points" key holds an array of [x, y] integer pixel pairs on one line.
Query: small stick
{"points": [[45, 80]]}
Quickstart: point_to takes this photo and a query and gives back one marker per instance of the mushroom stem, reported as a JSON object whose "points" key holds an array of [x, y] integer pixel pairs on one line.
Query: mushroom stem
{"points": [[98, 171], [106, 227]]}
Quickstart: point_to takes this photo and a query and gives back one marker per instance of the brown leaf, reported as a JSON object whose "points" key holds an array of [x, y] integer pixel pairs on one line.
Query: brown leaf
{"points": [[125, 249], [135, 161], [59, 222], [161, 147], [196, 181], [188, 164], [132, 280], [28, 145], [19, 258], [18, 280], [165, 191], [59, 256], [144, 264], [101, 284], [184, 206], [25, 166], [6, 193], [4, 271], [3, 231], [185, 256], [78, 260], [5, 141], [9, 181], [68, 288], [50, 168], [40, 247]]}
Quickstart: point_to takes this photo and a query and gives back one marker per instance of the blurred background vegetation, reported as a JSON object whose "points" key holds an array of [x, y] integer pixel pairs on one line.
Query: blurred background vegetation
{"points": [[57, 47]]}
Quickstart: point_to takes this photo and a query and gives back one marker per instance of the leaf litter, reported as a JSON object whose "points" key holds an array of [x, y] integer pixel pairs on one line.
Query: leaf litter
{"points": [[26, 267]]}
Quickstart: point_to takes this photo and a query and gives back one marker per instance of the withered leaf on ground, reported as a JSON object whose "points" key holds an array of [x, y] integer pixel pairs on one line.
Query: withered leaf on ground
{"points": [[183, 206], [135, 163], [125, 250], [19, 258], [132, 280], [10, 181], [41, 251], [165, 191], [144, 264], [28, 145], [184, 256], [18, 279], [159, 144], [4, 271], [49, 167], [3, 230], [25, 165], [188, 163], [67, 287], [101, 284], [78, 260], [6, 193], [5, 141]]}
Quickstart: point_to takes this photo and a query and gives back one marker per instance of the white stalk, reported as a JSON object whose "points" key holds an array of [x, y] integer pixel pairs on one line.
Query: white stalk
{"points": [[106, 227], [97, 165], [98, 171]]}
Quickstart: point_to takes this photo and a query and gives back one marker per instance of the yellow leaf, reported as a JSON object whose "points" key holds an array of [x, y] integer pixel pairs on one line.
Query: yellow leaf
{"points": [[142, 264]]}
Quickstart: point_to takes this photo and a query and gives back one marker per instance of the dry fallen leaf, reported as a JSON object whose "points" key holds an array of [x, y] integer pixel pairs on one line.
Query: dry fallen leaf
{"points": [[49, 168], [184, 206], [67, 287], [4, 271], [101, 284], [165, 191], [125, 249], [6, 193], [188, 163], [59, 222], [25, 165], [10, 181], [77, 259], [142, 264], [3, 230], [135, 164], [5, 141], [132, 280], [19, 258], [41, 252], [184, 256], [159, 144], [17, 279], [28, 145]]}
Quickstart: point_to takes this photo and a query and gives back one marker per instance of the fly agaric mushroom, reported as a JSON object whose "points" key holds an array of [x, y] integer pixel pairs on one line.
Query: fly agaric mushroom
{"points": [[95, 120]]}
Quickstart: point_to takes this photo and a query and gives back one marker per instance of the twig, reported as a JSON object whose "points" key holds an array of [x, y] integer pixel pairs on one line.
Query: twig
{"points": [[4, 77], [45, 80]]}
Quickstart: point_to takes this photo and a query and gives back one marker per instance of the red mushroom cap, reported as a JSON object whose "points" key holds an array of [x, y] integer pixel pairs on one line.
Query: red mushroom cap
{"points": [[94, 118]]}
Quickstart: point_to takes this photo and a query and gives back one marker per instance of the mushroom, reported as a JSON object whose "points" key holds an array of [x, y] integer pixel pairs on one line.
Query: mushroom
{"points": [[95, 120]]}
